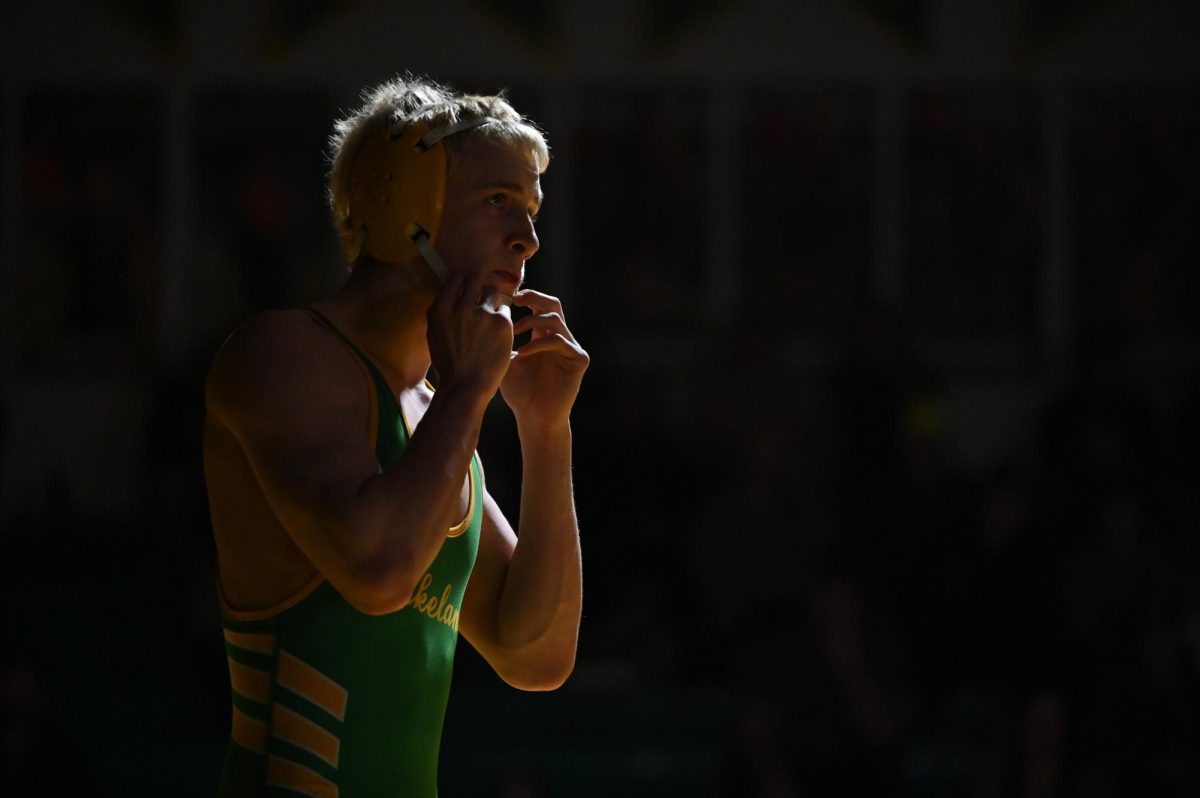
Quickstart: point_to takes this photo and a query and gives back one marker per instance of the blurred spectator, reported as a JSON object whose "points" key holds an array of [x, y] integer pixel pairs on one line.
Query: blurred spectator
{"points": [[36, 758]]}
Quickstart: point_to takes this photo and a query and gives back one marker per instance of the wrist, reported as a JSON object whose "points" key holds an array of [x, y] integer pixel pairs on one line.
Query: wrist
{"points": [[541, 432], [471, 396]]}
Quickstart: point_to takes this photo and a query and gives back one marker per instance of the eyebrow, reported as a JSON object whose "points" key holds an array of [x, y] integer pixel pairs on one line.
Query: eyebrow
{"points": [[516, 188]]}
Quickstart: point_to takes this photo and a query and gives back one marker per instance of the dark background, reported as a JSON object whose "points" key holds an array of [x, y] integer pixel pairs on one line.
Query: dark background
{"points": [[887, 458]]}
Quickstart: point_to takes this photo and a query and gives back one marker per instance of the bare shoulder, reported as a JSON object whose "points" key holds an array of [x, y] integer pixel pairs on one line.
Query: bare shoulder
{"points": [[265, 338], [273, 356]]}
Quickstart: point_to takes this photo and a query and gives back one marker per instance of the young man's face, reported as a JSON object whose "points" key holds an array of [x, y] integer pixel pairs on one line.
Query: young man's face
{"points": [[492, 198]]}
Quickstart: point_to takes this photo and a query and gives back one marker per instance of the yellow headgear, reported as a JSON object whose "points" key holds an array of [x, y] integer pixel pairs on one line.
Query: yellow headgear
{"points": [[397, 192]]}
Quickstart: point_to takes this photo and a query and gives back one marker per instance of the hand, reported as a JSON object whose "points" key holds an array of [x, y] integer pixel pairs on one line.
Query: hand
{"points": [[470, 336], [544, 376]]}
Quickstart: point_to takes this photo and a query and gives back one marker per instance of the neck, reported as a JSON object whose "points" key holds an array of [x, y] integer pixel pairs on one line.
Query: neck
{"points": [[381, 308]]}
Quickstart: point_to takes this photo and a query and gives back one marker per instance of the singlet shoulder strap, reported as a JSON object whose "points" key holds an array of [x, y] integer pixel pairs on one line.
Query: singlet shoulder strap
{"points": [[381, 396], [324, 321]]}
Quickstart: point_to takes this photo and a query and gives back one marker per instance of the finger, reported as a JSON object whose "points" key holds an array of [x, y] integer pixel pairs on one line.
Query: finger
{"points": [[543, 323], [555, 344], [537, 301]]}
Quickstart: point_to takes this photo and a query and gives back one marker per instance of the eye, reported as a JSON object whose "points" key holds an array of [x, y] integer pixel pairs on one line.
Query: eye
{"points": [[496, 200]]}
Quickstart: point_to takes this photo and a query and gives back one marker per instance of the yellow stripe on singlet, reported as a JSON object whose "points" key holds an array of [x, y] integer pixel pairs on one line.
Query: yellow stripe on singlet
{"points": [[248, 732], [306, 681], [290, 776], [250, 682], [252, 641], [303, 733]]}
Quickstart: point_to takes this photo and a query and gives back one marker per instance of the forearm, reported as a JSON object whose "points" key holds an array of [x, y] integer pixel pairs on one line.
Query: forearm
{"points": [[406, 509], [540, 604]]}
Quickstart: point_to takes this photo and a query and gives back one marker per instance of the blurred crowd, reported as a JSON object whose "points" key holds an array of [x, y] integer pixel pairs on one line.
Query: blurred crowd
{"points": [[787, 551], [888, 621]]}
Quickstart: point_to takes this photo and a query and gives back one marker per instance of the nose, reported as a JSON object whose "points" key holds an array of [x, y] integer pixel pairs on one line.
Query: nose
{"points": [[524, 239]]}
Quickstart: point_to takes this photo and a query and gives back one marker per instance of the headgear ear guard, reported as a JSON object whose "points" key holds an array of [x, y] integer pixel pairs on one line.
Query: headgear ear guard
{"points": [[398, 190]]}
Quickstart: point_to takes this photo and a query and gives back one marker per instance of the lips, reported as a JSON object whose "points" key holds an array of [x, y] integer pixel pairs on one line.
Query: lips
{"points": [[507, 281]]}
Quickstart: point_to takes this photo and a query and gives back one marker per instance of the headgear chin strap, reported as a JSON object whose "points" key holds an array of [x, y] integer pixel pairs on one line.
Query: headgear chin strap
{"points": [[421, 239], [398, 190]]}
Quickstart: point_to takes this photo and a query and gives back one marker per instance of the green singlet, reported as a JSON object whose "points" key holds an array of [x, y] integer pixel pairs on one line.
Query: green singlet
{"points": [[331, 702]]}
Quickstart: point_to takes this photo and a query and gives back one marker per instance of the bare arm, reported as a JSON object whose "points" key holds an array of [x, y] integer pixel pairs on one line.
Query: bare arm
{"points": [[523, 603], [297, 403]]}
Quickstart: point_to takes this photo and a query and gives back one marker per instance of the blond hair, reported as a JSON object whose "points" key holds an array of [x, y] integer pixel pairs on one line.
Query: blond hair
{"points": [[410, 99]]}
